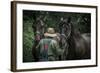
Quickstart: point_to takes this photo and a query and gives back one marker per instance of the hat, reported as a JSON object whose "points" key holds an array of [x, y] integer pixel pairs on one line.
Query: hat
{"points": [[50, 33]]}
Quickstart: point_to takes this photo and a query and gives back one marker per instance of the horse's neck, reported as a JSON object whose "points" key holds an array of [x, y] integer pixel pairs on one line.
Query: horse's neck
{"points": [[74, 32], [72, 37]]}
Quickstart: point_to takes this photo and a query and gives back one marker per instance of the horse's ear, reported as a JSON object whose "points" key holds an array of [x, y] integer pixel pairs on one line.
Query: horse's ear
{"points": [[69, 19]]}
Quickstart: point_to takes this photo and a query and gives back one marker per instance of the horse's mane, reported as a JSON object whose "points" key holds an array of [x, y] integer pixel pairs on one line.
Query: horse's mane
{"points": [[71, 42], [77, 38], [74, 35]]}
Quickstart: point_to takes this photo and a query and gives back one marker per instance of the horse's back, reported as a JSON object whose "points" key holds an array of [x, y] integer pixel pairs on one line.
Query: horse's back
{"points": [[82, 45], [87, 38]]}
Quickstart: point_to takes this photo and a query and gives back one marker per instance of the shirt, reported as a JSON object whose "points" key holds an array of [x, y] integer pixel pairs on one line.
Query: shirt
{"points": [[48, 50]]}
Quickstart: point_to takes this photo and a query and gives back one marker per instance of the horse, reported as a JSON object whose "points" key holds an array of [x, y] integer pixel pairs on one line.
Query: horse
{"points": [[76, 45], [38, 29]]}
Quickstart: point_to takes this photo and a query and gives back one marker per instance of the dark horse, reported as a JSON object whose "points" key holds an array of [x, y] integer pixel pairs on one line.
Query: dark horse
{"points": [[38, 29], [76, 45]]}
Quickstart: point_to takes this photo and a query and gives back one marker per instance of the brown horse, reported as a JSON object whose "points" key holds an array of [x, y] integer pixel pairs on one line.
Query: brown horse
{"points": [[38, 29], [77, 45]]}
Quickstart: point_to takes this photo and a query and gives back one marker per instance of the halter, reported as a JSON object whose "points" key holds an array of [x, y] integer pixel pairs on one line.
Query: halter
{"points": [[69, 33]]}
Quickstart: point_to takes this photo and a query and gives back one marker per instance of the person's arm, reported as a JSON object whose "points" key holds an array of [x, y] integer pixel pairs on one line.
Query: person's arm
{"points": [[56, 47], [38, 49]]}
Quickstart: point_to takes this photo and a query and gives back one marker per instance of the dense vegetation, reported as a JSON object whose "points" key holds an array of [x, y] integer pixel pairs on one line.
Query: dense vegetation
{"points": [[81, 21]]}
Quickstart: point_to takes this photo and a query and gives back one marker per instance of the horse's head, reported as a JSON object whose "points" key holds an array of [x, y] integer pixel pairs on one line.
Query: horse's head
{"points": [[65, 26], [38, 28]]}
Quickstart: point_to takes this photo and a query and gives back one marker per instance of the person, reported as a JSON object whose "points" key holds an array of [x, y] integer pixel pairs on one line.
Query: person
{"points": [[48, 48]]}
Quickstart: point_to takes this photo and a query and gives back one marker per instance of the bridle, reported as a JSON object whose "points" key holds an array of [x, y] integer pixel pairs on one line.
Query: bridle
{"points": [[64, 32]]}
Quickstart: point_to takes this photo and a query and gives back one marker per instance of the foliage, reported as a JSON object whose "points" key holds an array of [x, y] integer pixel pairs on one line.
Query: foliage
{"points": [[27, 40]]}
